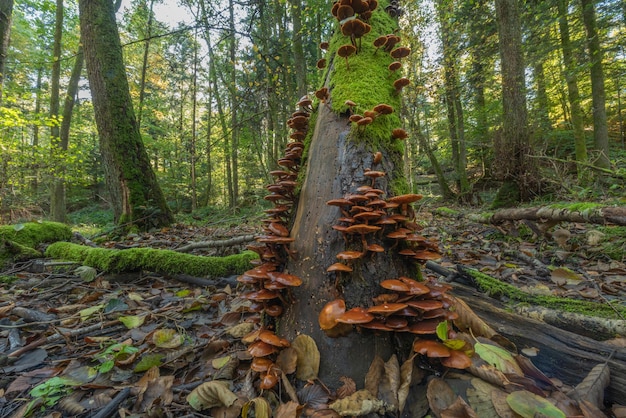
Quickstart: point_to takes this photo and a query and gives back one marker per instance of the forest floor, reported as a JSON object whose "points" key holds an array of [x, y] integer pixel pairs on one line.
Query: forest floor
{"points": [[136, 344]]}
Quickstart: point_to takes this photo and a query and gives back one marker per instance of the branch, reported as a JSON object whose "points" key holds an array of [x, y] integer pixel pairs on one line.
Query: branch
{"points": [[216, 243]]}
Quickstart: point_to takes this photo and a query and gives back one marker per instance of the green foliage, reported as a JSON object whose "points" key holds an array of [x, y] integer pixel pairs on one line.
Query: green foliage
{"points": [[52, 390], [117, 351]]}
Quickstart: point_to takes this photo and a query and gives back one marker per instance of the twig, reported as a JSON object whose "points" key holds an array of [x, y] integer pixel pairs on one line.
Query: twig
{"points": [[216, 243], [112, 406]]}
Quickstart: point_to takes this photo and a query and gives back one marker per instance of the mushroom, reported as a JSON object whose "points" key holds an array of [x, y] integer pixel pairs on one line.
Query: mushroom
{"points": [[378, 157], [380, 42], [386, 309], [355, 316], [344, 12], [322, 94], [400, 52], [400, 83], [321, 63], [457, 360], [431, 348], [324, 45], [383, 109], [394, 66], [351, 105], [330, 312], [345, 51]]}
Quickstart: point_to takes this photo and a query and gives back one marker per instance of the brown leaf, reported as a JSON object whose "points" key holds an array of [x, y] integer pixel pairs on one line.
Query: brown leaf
{"points": [[592, 387], [480, 395], [488, 373], [406, 377], [288, 410], [347, 389], [468, 320], [359, 403], [440, 395], [459, 409], [374, 374], [287, 360], [288, 388], [390, 383], [314, 396], [308, 363]]}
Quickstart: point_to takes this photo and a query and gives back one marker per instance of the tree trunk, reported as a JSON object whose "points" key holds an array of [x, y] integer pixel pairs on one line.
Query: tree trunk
{"points": [[144, 65], [57, 197], [298, 51], [135, 195], [233, 154], [336, 161], [570, 66], [600, 126], [514, 165], [192, 146], [6, 12]]}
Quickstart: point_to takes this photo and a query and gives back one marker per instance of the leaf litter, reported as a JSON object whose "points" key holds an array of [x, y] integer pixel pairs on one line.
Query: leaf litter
{"points": [[73, 339]]}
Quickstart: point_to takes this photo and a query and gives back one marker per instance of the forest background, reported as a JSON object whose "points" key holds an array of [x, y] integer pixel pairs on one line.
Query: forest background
{"points": [[211, 99]]}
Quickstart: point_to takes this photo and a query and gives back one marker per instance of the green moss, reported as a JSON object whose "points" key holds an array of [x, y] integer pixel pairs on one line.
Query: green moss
{"points": [[367, 81], [19, 242], [164, 261], [508, 195], [497, 288], [447, 211], [576, 206]]}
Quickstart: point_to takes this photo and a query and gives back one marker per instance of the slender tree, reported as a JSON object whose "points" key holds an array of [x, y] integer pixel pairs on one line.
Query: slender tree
{"points": [[600, 125], [513, 162], [6, 12], [569, 67], [57, 198], [135, 195]]}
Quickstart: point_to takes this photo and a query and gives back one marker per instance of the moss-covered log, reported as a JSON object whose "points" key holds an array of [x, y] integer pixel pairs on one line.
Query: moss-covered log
{"points": [[19, 242], [149, 259]]}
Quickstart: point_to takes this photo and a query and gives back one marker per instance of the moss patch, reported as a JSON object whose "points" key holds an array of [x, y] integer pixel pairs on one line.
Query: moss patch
{"points": [[19, 242], [163, 261], [576, 206], [497, 288]]}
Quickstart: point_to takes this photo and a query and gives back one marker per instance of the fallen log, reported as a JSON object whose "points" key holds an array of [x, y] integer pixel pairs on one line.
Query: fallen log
{"points": [[552, 215], [561, 354], [216, 243]]}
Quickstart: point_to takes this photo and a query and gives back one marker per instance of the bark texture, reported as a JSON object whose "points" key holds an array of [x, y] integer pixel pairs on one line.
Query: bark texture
{"points": [[335, 168], [135, 196], [6, 12]]}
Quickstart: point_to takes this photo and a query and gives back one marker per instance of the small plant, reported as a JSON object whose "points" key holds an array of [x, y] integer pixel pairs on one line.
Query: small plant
{"points": [[50, 391], [119, 352]]}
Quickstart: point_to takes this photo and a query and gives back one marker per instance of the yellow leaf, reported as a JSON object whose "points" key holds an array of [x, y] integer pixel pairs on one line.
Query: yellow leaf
{"points": [[308, 363], [167, 338]]}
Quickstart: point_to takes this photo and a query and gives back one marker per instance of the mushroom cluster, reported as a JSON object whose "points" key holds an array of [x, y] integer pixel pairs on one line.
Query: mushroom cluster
{"points": [[353, 16], [267, 279], [394, 9], [369, 116]]}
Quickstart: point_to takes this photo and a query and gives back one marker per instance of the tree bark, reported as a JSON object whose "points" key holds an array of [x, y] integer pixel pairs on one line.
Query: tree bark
{"points": [[135, 195], [601, 216], [514, 165], [570, 66], [600, 126], [57, 198], [6, 12], [298, 51]]}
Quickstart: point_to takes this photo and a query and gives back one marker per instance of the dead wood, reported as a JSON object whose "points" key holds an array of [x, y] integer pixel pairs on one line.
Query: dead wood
{"points": [[216, 243], [562, 354], [600, 215]]}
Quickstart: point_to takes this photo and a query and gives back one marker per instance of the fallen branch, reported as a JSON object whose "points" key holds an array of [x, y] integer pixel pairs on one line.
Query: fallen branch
{"points": [[216, 243]]}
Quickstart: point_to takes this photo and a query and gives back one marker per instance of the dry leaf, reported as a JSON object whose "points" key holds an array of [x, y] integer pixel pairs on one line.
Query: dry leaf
{"points": [[468, 320], [562, 276], [440, 395], [590, 410], [287, 360], [241, 329], [480, 396], [347, 389], [308, 363], [592, 387], [359, 403], [314, 396], [233, 411], [290, 409], [459, 409], [261, 408], [498, 357], [325, 413], [406, 377], [389, 384], [288, 388], [374, 374], [527, 404], [210, 395], [488, 373]]}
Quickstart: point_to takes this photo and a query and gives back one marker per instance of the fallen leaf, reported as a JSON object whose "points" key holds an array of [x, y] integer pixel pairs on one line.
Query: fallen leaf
{"points": [[498, 357], [374, 374], [592, 386], [308, 363], [347, 388], [167, 338], [406, 376], [440, 395], [287, 360], [290, 409], [527, 404], [389, 384], [261, 408], [210, 395], [359, 403], [459, 409]]}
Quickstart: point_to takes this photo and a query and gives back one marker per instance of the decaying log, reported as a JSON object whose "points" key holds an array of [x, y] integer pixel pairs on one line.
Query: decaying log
{"points": [[561, 354], [216, 243], [598, 215]]}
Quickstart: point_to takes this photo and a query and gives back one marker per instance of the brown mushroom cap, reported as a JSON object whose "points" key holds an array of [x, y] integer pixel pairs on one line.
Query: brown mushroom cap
{"points": [[362, 228], [321, 63], [377, 325], [378, 157], [268, 381], [278, 229], [284, 278], [339, 267], [345, 51], [339, 202], [349, 255], [399, 133], [400, 83], [273, 310], [364, 121], [356, 315], [431, 348], [260, 364], [400, 52], [261, 349], [395, 285], [425, 305], [426, 327], [396, 322], [375, 248], [374, 174], [260, 295], [386, 308], [394, 66], [270, 338], [380, 41], [457, 360], [355, 118], [344, 11], [324, 45], [322, 93], [415, 288], [405, 198], [330, 312], [383, 109]]}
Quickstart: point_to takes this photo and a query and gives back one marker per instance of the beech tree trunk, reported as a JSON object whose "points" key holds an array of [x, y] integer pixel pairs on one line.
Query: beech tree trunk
{"points": [[135, 195]]}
